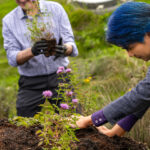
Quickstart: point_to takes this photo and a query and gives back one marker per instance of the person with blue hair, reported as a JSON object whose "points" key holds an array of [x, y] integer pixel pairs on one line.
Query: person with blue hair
{"points": [[129, 28]]}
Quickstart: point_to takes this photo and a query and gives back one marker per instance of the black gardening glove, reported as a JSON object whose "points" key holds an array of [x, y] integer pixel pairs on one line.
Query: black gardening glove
{"points": [[40, 47], [60, 49]]}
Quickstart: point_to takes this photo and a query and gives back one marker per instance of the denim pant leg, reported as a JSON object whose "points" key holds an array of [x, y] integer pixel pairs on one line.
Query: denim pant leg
{"points": [[28, 102], [30, 93]]}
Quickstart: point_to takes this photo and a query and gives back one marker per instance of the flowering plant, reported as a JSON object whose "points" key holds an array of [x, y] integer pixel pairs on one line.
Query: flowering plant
{"points": [[56, 132], [47, 94], [39, 25]]}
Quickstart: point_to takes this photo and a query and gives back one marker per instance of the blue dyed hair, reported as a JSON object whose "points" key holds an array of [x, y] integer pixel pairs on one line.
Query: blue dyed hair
{"points": [[129, 24]]}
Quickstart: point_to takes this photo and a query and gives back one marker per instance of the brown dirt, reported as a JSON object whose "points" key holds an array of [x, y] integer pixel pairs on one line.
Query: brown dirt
{"points": [[51, 49], [90, 139], [18, 138], [21, 138]]}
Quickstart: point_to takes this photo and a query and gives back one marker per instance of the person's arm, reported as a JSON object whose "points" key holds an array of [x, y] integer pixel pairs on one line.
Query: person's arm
{"points": [[93, 119], [133, 101], [138, 100], [97, 119], [39, 47], [24, 56], [121, 127], [69, 49], [11, 45], [16, 56]]}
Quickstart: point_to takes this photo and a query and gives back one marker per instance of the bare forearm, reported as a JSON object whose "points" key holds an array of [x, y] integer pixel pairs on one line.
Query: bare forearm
{"points": [[24, 56], [69, 49]]}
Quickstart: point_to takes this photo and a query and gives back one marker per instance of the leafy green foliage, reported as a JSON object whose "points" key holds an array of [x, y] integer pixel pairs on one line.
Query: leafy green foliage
{"points": [[39, 30], [56, 133], [146, 1], [5, 7]]}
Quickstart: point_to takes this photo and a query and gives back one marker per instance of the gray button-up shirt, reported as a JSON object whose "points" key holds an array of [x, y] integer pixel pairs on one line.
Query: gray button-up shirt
{"points": [[16, 38]]}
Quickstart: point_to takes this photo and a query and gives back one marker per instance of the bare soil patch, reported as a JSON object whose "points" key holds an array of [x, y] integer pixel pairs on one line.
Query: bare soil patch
{"points": [[21, 138]]}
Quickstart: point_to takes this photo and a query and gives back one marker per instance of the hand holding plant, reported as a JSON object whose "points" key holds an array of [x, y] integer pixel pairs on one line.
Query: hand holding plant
{"points": [[57, 132], [40, 47]]}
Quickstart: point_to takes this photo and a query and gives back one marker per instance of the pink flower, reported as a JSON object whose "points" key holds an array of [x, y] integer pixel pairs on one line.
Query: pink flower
{"points": [[64, 106], [47, 94], [59, 71], [61, 68], [68, 70], [75, 101], [69, 93]]}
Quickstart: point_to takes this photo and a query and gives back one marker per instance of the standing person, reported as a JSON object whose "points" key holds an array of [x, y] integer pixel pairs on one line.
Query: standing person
{"points": [[129, 28], [37, 71]]}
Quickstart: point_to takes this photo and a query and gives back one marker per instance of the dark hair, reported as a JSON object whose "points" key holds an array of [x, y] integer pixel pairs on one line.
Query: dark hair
{"points": [[129, 24]]}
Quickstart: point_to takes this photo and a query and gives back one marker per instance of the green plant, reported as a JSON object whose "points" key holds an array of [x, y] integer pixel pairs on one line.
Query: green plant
{"points": [[56, 133], [39, 25]]}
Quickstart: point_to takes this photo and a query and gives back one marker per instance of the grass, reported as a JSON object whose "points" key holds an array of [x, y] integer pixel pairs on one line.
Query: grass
{"points": [[5, 7], [8, 75], [8, 87]]}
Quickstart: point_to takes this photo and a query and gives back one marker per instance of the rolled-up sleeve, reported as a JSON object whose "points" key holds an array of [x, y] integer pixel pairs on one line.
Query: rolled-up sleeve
{"points": [[133, 101], [10, 45], [66, 31]]}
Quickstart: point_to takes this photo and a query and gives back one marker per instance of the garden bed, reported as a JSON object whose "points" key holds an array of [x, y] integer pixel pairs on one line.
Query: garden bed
{"points": [[21, 138]]}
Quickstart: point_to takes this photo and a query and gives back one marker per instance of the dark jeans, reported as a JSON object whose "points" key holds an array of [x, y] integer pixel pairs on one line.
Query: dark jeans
{"points": [[30, 93]]}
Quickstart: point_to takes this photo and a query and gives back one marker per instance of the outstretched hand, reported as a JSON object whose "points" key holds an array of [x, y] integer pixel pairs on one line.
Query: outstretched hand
{"points": [[81, 122], [116, 130], [104, 130]]}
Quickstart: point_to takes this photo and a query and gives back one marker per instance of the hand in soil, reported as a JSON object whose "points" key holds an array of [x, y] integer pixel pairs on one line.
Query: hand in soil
{"points": [[116, 130], [104, 130], [82, 122]]}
